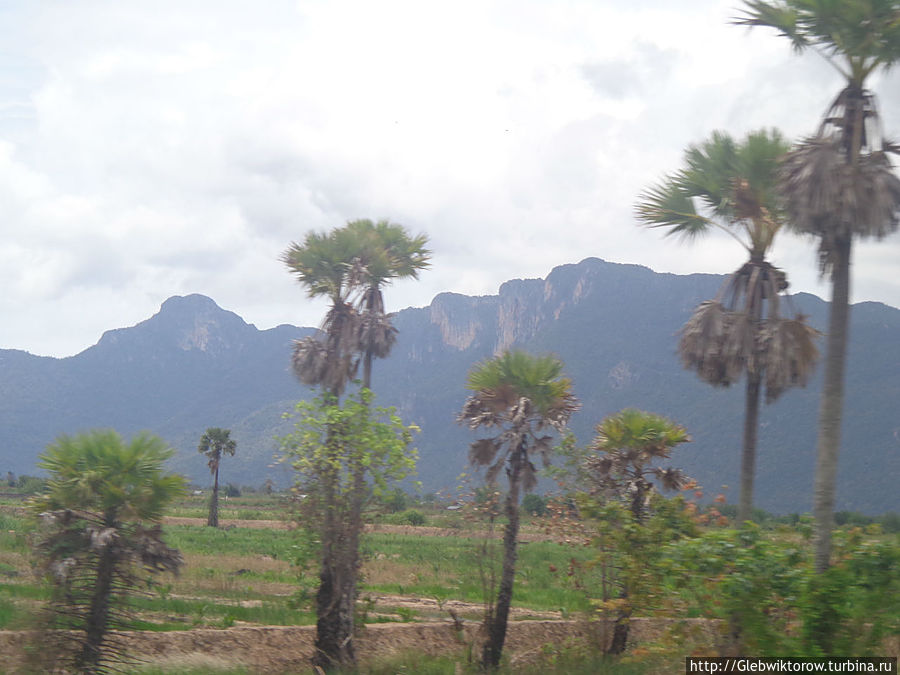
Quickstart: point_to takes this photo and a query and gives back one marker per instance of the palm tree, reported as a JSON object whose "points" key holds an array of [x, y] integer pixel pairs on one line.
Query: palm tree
{"points": [[213, 444], [741, 330], [838, 185], [349, 266], [328, 265], [103, 506], [389, 253], [519, 395], [628, 444]]}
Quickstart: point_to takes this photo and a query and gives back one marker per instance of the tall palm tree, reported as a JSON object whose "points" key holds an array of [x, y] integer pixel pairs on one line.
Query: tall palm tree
{"points": [[102, 507], [732, 186], [214, 443], [520, 396], [349, 266], [838, 184], [328, 265], [389, 253]]}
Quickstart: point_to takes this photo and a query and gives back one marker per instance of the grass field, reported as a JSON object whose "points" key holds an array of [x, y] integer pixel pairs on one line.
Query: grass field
{"points": [[243, 575]]}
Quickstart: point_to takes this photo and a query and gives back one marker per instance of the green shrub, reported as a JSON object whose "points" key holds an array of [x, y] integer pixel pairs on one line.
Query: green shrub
{"points": [[774, 602], [534, 504], [414, 517]]}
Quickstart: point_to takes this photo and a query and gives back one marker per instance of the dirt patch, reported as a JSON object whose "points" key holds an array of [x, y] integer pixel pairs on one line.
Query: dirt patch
{"points": [[412, 530], [431, 607], [289, 649]]}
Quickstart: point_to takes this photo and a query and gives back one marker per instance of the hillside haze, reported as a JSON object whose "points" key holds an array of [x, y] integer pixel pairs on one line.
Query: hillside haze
{"points": [[194, 365]]}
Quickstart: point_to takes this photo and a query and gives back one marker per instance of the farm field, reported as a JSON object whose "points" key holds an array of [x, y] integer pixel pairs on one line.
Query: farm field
{"points": [[242, 576], [241, 603]]}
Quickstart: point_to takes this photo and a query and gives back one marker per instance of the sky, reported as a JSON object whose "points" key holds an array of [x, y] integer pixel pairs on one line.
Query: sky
{"points": [[157, 148]]}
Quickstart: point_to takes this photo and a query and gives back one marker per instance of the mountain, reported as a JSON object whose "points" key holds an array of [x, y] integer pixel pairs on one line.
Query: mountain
{"points": [[194, 365]]}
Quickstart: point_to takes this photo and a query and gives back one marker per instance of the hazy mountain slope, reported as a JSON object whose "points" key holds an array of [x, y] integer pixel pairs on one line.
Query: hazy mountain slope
{"points": [[194, 365]]}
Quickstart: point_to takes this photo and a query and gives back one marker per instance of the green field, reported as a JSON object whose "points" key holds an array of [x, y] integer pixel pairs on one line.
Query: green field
{"points": [[246, 573]]}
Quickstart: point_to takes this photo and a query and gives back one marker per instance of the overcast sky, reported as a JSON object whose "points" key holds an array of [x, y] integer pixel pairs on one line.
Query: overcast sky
{"points": [[151, 149]]}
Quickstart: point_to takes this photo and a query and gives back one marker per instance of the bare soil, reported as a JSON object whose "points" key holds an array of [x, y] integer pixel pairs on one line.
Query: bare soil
{"points": [[417, 530], [278, 650]]}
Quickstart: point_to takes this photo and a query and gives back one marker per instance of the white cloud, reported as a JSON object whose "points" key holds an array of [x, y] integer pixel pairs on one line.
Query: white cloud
{"points": [[151, 149]]}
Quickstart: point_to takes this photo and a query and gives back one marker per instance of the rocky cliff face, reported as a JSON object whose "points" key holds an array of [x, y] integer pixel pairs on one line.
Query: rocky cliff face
{"points": [[194, 365]]}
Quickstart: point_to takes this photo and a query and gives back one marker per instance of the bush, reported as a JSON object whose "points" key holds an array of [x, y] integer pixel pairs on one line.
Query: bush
{"points": [[232, 490], [890, 522], [31, 485], [763, 588], [414, 517], [535, 505], [395, 501]]}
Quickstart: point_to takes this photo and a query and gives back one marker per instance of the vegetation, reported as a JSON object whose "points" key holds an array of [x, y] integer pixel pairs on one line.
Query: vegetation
{"points": [[611, 548], [741, 331], [214, 443], [352, 261], [520, 396], [619, 481], [101, 513], [839, 185]]}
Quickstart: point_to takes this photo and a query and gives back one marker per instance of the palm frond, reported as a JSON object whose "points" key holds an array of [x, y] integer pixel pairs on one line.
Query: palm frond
{"points": [[483, 451], [669, 205], [790, 353], [835, 200]]}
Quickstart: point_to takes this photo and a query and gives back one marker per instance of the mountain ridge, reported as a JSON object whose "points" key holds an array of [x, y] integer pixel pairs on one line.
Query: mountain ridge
{"points": [[194, 365]]}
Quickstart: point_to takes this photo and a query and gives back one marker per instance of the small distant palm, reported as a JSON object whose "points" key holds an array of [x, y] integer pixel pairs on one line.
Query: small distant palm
{"points": [[215, 443]]}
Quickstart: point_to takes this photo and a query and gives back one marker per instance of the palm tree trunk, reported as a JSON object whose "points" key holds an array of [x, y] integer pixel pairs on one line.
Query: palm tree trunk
{"points": [[831, 407], [336, 595], [98, 614], [493, 648], [748, 454], [213, 520]]}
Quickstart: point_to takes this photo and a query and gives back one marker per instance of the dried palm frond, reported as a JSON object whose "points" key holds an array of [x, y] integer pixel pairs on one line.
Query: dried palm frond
{"points": [[790, 354], [671, 479], [309, 360], [483, 451], [376, 334], [701, 343], [836, 191], [529, 476], [490, 476]]}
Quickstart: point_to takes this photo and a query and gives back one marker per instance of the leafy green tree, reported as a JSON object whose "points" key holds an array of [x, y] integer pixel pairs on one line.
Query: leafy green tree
{"points": [[732, 186], [520, 396], [331, 444], [101, 510], [622, 473], [839, 184], [215, 443]]}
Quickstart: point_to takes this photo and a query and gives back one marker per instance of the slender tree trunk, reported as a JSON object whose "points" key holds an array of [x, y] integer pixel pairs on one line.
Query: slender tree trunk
{"points": [[493, 647], [831, 407], [98, 614], [748, 453], [623, 616], [213, 520], [336, 596]]}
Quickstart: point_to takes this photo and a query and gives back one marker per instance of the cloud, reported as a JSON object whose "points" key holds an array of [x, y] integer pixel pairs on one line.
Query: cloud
{"points": [[154, 149]]}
